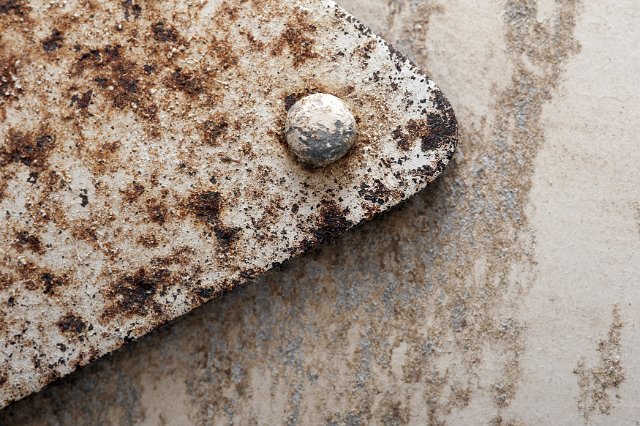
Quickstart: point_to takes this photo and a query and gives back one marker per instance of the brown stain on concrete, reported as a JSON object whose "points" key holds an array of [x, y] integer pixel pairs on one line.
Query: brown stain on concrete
{"points": [[599, 383]]}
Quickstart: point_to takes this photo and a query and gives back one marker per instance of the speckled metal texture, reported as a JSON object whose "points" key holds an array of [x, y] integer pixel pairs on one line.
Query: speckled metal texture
{"points": [[143, 167]]}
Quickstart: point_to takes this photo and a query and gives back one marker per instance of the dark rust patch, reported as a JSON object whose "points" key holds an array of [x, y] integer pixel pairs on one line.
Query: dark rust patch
{"points": [[421, 129], [185, 81], [130, 8], [50, 282], [71, 324], [207, 206], [444, 126], [41, 279], [290, 100], [148, 240], [53, 42], [29, 149], [157, 211], [433, 132], [330, 223], [415, 129], [5, 282], [132, 192], [17, 7], [164, 33], [82, 101], [25, 240], [84, 198], [133, 294]]}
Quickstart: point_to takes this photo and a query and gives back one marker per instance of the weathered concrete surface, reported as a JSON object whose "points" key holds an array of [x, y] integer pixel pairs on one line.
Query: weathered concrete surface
{"points": [[504, 294]]}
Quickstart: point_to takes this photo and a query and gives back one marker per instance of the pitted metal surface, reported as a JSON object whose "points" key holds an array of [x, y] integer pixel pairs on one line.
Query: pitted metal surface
{"points": [[143, 167]]}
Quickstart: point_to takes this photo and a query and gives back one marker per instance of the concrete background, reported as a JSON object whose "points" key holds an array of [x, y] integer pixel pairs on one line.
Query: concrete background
{"points": [[506, 293]]}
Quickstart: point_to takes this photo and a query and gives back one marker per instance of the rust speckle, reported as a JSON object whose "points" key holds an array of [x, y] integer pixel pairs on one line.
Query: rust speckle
{"points": [[213, 128], [148, 240], [25, 240], [157, 212], [401, 138], [105, 158], [118, 79], [297, 37], [224, 53], [53, 42]]}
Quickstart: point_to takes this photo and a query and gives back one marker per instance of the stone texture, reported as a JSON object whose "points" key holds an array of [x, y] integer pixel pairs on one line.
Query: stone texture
{"points": [[504, 294]]}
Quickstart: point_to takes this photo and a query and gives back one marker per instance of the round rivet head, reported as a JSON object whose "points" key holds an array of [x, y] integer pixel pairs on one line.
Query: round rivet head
{"points": [[320, 129]]}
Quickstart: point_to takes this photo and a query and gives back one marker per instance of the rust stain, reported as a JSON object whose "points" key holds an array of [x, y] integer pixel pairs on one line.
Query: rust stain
{"points": [[133, 294], [24, 240], [53, 42], [214, 128], [71, 324], [298, 39]]}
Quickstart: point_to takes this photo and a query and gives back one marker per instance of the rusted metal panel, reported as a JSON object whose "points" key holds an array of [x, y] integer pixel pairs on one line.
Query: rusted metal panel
{"points": [[144, 169]]}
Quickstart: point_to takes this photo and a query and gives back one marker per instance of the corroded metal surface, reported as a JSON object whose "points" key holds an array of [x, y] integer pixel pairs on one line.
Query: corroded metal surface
{"points": [[144, 169]]}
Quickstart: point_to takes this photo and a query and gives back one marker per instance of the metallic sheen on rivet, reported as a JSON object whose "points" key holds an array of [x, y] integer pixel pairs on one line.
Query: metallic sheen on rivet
{"points": [[320, 129]]}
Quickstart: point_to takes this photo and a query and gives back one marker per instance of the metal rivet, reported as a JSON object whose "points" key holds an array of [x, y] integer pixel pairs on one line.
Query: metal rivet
{"points": [[320, 129]]}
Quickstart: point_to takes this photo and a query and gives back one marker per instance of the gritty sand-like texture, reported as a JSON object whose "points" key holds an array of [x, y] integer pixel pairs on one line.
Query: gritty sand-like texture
{"points": [[504, 294]]}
